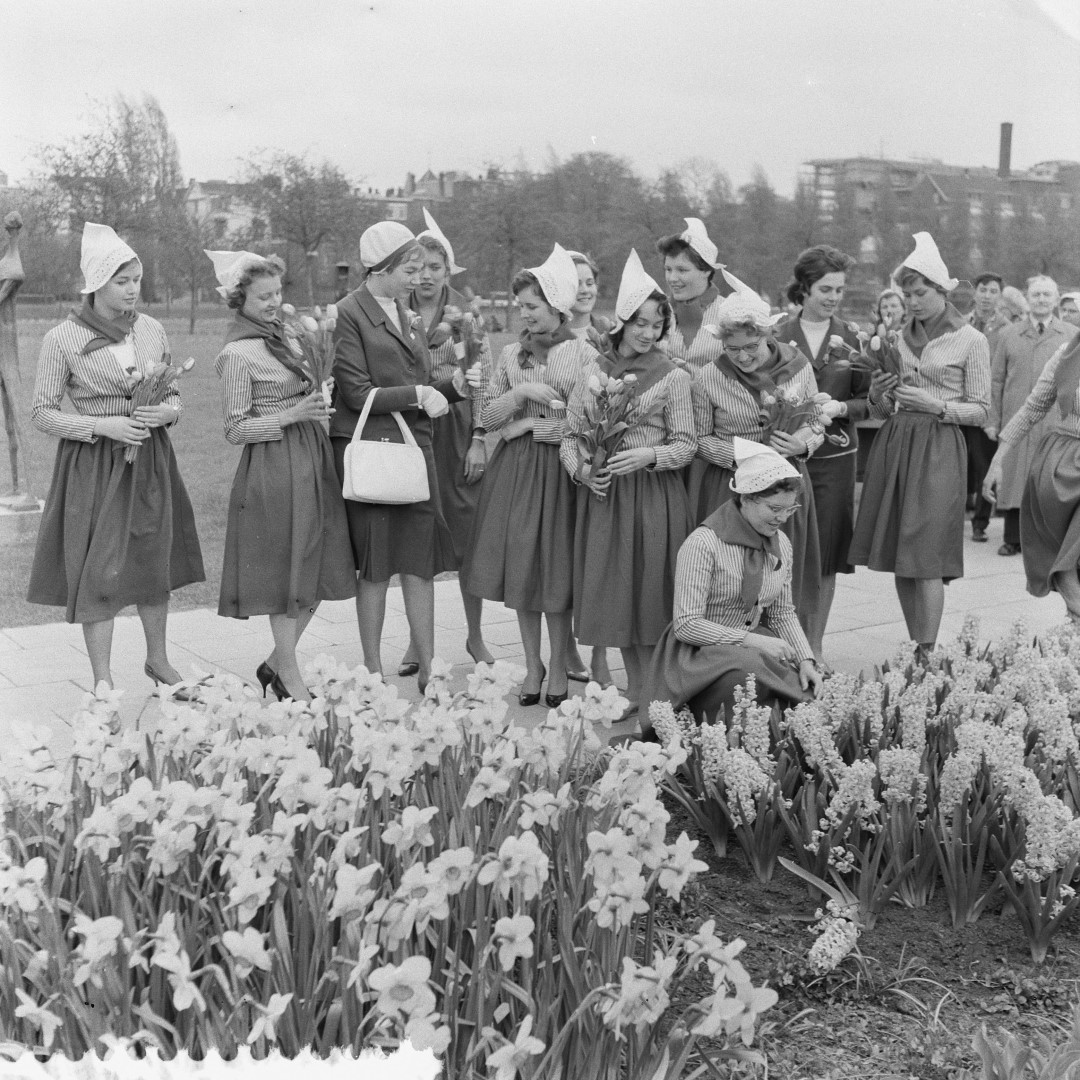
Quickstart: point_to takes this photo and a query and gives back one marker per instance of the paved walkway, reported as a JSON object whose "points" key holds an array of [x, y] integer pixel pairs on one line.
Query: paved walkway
{"points": [[44, 670]]}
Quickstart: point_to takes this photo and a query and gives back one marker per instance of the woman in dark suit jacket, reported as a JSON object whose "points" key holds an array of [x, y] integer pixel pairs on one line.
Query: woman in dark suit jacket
{"points": [[818, 288], [379, 346]]}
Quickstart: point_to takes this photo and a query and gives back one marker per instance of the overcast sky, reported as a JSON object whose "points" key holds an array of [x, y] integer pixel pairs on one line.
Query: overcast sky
{"points": [[383, 87]]}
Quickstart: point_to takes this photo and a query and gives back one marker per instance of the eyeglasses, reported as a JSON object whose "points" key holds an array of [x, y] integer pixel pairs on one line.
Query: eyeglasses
{"points": [[749, 349], [781, 512]]}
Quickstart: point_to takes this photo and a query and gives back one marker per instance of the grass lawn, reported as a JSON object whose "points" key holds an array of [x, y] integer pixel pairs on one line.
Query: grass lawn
{"points": [[207, 462]]}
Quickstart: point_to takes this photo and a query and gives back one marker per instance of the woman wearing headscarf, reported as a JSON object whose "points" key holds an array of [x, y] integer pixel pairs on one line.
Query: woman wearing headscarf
{"points": [[911, 516], [381, 349], [459, 443], [750, 369], [819, 278], [733, 613], [522, 548], [691, 260], [1050, 505], [286, 539], [632, 515], [113, 532]]}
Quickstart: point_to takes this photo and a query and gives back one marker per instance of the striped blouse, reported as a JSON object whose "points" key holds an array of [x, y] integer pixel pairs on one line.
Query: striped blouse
{"points": [[724, 408], [708, 608], [670, 430], [704, 347], [565, 363], [94, 383], [955, 368], [1040, 401], [444, 363], [256, 390]]}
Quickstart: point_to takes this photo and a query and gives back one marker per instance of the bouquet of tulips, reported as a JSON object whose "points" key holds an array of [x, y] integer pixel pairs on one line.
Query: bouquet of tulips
{"points": [[608, 404], [788, 410], [314, 335], [879, 351], [153, 387], [465, 328]]}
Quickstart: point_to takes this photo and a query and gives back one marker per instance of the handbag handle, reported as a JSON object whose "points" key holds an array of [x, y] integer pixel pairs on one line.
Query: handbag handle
{"points": [[358, 431]]}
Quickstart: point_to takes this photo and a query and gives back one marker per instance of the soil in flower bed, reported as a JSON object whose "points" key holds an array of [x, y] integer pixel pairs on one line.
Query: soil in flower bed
{"points": [[909, 1008]]}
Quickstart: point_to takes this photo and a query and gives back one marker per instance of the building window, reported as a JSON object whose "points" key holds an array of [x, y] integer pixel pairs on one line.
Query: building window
{"points": [[397, 212], [1007, 208], [220, 225], [975, 205]]}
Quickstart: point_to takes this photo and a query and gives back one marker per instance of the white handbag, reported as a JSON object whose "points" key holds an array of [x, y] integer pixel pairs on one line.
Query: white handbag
{"points": [[384, 471]]}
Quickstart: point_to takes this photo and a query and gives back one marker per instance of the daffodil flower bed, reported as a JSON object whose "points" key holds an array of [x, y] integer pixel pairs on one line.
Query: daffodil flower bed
{"points": [[958, 771], [357, 872]]}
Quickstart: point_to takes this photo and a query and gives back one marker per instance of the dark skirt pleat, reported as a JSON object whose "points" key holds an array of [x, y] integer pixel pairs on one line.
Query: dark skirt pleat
{"points": [[685, 674], [625, 547], [833, 481], [1049, 522], [287, 540], [709, 487], [911, 513], [521, 550], [411, 538], [451, 438], [112, 533]]}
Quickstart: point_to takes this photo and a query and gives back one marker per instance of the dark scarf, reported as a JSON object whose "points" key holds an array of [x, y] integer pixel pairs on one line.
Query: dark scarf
{"points": [[784, 363], [919, 334], [106, 331], [1067, 378], [689, 313], [273, 337], [732, 528], [649, 368], [535, 347]]}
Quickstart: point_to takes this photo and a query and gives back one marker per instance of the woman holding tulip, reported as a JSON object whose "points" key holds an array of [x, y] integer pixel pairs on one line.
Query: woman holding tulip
{"points": [[380, 349], [115, 530], [632, 513], [911, 517], [286, 540], [459, 443], [522, 547], [817, 288], [755, 376]]}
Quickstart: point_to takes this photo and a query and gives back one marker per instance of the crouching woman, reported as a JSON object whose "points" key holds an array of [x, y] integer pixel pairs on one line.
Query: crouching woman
{"points": [[733, 613]]}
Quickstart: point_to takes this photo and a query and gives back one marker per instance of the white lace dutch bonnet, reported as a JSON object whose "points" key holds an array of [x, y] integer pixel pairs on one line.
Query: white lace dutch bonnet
{"points": [[758, 467], [558, 278], [229, 267], [103, 253]]}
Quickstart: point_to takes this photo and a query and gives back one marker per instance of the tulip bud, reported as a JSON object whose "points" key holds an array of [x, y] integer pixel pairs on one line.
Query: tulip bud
{"points": [[594, 385], [308, 323], [630, 379], [188, 364], [875, 343], [556, 404], [288, 309], [331, 312], [836, 341], [317, 312]]}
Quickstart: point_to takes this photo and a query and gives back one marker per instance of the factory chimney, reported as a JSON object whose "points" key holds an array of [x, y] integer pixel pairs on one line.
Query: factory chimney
{"points": [[1005, 152]]}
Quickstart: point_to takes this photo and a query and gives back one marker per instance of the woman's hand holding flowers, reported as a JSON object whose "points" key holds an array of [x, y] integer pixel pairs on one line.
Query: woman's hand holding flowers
{"points": [[156, 415], [882, 383], [810, 677], [122, 429], [599, 484], [313, 407], [788, 445], [630, 461], [541, 393], [916, 400]]}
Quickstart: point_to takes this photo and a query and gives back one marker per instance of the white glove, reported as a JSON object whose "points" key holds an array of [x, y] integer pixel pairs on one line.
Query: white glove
{"points": [[431, 401]]}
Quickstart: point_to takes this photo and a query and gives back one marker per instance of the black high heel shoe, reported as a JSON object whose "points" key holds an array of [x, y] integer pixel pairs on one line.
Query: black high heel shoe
{"points": [[266, 675], [525, 700], [178, 695], [407, 668], [280, 690], [553, 701]]}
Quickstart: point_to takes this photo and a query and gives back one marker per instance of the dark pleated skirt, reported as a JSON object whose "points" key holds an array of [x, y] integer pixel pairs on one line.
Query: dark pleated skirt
{"points": [[451, 437], [625, 547], [709, 486], [287, 540], [911, 514], [1049, 521], [114, 534], [833, 481], [521, 549], [411, 538], [704, 676]]}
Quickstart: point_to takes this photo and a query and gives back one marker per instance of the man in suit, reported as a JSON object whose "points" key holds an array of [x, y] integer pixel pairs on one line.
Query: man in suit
{"points": [[980, 446], [1022, 351]]}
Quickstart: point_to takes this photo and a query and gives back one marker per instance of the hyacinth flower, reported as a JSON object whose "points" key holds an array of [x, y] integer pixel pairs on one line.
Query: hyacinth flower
{"points": [[152, 388]]}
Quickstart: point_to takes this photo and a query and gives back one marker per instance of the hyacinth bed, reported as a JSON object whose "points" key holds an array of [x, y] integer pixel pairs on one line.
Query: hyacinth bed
{"points": [[359, 872]]}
